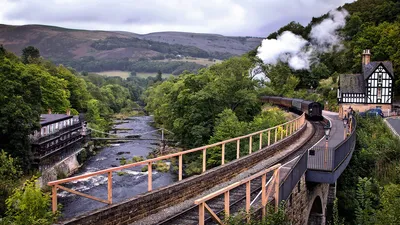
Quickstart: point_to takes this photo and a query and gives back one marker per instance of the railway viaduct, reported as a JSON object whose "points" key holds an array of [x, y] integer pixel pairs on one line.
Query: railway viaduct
{"points": [[293, 163]]}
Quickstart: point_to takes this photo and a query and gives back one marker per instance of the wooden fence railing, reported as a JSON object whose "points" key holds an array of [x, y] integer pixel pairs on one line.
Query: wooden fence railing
{"points": [[272, 135], [265, 194]]}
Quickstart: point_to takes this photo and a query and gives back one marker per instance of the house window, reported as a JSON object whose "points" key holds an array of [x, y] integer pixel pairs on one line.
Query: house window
{"points": [[379, 96]]}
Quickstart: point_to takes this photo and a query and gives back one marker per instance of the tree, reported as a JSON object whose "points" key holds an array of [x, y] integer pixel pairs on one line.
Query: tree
{"points": [[20, 100], [29, 205], [94, 118], [367, 198], [159, 76], [9, 175], [133, 73], [189, 104], [390, 205], [2, 51], [30, 54], [282, 79]]}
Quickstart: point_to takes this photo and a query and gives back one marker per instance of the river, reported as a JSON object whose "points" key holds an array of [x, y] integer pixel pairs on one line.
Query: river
{"points": [[132, 183]]}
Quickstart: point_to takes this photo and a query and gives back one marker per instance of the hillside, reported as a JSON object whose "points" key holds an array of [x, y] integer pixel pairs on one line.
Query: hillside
{"points": [[116, 50]]}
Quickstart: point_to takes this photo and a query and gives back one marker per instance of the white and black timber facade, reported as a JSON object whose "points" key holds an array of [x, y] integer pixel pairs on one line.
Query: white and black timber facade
{"points": [[373, 88]]}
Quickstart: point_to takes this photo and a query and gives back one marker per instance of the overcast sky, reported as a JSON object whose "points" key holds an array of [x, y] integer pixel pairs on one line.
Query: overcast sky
{"points": [[227, 17]]}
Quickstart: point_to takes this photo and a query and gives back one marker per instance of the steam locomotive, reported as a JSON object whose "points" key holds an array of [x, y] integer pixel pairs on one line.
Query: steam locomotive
{"points": [[313, 110]]}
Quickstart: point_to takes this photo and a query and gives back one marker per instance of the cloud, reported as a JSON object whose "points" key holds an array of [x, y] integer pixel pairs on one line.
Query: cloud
{"points": [[229, 17], [296, 51]]}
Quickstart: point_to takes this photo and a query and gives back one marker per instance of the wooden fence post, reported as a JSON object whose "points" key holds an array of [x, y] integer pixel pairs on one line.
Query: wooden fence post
{"points": [[277, 189], [238, 148], [149, 176], [248, 200], [263, 194], [250, 144], [201, 213], [286, 130], [276, 134], [180, 167], [223, 154], [269, 137], [204, 159], [109, 188], [226, 205], [260, 141], [54, 198]]}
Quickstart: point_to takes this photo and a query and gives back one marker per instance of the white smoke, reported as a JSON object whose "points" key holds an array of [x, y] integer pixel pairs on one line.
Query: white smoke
{"points": [[324, 34], [295, 50]]}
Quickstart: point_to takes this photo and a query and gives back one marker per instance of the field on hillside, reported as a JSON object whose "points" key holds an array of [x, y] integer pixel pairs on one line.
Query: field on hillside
{"points": [[146, 75], [115, 73], [125, 74], [201, 61]]}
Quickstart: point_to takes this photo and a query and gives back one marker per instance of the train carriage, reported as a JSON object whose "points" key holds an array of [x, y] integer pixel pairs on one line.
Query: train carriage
{"points": [[313, 110]]}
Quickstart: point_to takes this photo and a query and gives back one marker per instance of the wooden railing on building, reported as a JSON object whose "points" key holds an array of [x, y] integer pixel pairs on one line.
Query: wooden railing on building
{"points": [[272, 135], [265, 194]]}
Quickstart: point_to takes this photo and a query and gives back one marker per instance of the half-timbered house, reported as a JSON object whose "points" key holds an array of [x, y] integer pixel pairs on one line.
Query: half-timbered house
{"points": [[373, 88]]}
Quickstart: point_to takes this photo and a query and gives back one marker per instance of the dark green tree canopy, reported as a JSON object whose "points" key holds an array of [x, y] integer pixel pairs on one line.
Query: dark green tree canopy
{"points": [[29, 54]]}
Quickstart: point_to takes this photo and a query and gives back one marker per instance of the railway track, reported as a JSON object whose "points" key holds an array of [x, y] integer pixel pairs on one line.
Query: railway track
{"points": [[238, 195]]}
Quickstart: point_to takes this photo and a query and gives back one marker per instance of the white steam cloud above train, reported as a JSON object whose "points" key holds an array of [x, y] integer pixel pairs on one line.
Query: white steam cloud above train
{"points": [[297, 51]]}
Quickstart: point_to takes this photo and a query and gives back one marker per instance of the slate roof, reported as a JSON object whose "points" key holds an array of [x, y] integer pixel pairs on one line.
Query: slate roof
{"points": [[370, 67], [351, 83], [46, 119]]}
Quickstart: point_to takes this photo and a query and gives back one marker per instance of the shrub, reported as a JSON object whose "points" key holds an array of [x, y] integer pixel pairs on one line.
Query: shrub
{"points": [[29, 205]]}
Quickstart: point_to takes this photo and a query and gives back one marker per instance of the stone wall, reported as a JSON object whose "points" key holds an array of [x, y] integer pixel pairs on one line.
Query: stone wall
{"points": [[295, 209], [146, 204], [60, 170], [299, 205]]}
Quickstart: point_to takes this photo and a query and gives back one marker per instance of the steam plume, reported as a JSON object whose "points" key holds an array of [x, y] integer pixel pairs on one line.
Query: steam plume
{"points": [[296, 51]]}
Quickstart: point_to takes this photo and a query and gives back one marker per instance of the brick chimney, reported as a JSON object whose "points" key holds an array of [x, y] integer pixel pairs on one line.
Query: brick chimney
{"points": [[366, 57], [68, 112], [48, 111]]}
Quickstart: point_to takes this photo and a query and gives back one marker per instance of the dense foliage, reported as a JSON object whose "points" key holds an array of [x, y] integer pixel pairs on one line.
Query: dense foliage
{"points": [[29, 205], [372, 175], [216, 104], [189, 105], [32, 85], [9, 175]]}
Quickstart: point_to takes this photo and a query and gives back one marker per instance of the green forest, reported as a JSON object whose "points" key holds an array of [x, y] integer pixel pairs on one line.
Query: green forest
{"points": [[31, 86]]}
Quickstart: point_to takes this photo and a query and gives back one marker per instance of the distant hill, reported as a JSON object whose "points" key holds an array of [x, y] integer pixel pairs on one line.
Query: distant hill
{"points": [[116, 50]]}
